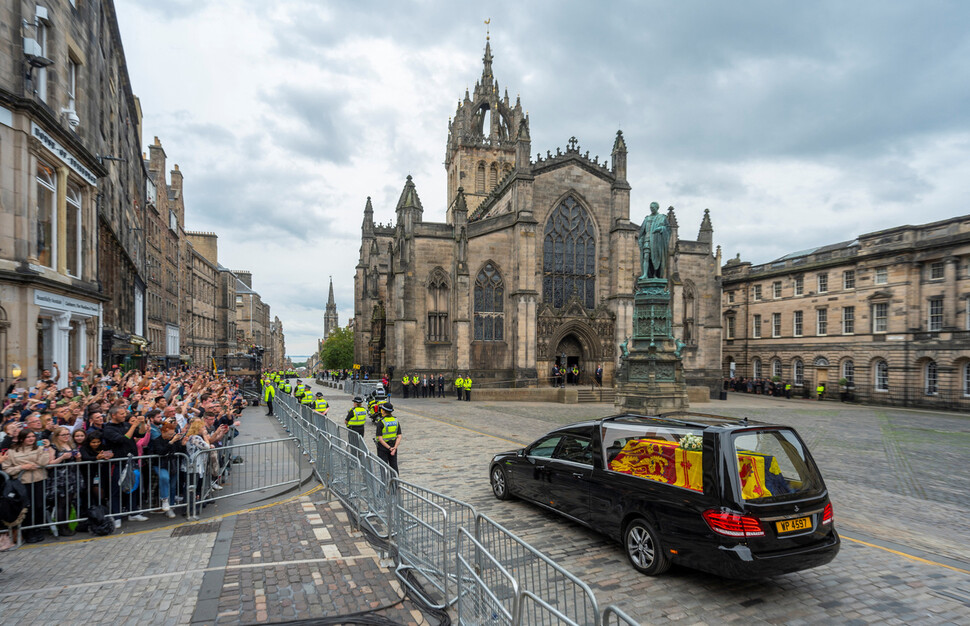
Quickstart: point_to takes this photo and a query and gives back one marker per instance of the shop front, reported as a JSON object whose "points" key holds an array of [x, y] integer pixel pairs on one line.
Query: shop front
{"points": [[67, 332]]}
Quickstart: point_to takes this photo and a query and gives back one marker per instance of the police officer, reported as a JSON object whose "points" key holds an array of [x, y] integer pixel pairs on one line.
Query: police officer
{"points": [[298, 392], [389, 436], [269, 393], [468, 387], [405, 384], [441, 385], [788, 389], [459, 385], [357, 416], [320, 404], [286, 387]]}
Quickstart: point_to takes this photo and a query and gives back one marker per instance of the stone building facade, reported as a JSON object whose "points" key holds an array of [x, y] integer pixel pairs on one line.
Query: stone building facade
{"points": [[252, 315], [71, 188], [534, 265], [888, 311], [200, 287], [165, 227]]}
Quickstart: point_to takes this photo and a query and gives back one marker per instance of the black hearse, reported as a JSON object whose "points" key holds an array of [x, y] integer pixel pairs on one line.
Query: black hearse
{"points": [[735, 498]]}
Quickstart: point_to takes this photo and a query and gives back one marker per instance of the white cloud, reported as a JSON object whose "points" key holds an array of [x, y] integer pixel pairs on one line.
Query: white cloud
{"points": [[796, 125]]}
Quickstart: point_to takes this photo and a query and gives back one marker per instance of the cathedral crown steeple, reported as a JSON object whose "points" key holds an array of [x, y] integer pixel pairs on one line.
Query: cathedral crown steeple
{"points": [[482, 139]]}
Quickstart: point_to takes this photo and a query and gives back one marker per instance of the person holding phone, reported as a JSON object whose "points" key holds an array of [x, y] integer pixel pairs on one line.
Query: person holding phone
{"points": [[27, 462], [63, 479]]}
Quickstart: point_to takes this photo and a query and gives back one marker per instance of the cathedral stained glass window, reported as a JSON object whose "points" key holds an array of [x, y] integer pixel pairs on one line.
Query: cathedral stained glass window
{"points": [[489, 305], [569, 256]]}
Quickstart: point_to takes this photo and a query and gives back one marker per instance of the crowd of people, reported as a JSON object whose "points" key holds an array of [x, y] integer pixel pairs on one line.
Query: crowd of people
{"points": [[128, 442]]}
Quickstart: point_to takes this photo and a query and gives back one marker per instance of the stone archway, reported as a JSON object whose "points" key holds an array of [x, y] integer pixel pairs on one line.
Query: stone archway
{"points": [[571, 351]]}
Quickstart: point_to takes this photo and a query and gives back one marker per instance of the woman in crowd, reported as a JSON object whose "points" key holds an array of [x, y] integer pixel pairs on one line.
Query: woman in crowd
{"points": [[196, 441], [27, 462], [63, 487], [166, 446], [96, 475], [10, 430]]}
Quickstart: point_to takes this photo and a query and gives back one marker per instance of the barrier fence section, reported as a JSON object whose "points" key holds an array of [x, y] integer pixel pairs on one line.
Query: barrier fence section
{"points": [[554, 586], [240, 468], [445, 552], [487, 592], [125, 486]]}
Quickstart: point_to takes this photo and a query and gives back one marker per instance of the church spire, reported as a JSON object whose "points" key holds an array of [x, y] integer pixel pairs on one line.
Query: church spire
{"points": [[487, 59], [330, 319], [367, 227]]}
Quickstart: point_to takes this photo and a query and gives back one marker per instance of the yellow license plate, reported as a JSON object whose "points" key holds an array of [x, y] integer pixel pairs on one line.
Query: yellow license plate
{"points": [[791, 525]]}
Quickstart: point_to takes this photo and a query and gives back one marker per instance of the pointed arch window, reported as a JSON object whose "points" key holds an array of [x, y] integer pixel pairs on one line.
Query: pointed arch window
{"points": [[480, 178], [569, 256], [438, 308], [489, 305]]}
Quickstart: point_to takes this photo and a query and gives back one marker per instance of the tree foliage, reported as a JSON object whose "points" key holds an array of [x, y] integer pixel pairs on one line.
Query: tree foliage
{"points": [[338, 350]]}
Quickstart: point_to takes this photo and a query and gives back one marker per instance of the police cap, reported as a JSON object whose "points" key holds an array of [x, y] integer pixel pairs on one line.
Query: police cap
{"points": [[387, 406], [358, 400]]}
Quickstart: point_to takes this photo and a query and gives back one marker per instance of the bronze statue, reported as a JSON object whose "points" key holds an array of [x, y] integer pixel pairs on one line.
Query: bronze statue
{"points": [[653, 239]]}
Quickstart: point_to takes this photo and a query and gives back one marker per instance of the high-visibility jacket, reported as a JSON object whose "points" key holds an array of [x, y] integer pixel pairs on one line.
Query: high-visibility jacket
{"points": [[269, 392], [820, 389], [459, 383], [320, 405], [390, 428], [300, 389], [359, 417], [286, 387], [307, 399], [406, 380], [468, 383]]}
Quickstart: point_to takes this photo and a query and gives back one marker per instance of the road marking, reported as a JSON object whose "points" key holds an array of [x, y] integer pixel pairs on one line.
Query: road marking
{"points": [[905, 555], [200, 570]]}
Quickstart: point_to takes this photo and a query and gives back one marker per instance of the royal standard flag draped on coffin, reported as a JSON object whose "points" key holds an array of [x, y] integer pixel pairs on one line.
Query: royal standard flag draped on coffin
{"points": [[663, 461]]}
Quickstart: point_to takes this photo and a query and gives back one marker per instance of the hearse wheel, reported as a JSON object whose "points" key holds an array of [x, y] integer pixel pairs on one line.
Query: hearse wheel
{"points": [[644, 549], [500, 483]]}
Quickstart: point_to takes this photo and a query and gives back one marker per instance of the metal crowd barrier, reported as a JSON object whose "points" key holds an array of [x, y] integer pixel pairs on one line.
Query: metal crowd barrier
{"points": [[613, 613], [539, 575], [445, 552], [264, 465], [487, 592], [64, 498]]}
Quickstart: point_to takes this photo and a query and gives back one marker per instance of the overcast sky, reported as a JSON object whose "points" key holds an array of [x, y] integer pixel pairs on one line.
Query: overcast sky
{"points": [[796, 123]]}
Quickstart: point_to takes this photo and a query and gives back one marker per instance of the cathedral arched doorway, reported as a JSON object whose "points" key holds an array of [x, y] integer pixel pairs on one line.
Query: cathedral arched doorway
{"points": [[570, 353]]}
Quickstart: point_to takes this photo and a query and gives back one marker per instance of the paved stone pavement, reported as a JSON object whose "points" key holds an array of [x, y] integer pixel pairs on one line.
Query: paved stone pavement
{"points": [[896, 478]]}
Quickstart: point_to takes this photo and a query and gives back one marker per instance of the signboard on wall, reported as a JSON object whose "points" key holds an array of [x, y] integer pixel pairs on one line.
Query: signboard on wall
{"points": [[57, 302]]}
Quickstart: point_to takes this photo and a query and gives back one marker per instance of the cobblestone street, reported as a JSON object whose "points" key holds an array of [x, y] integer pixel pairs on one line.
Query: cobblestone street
{"points": [[891, 474], [298, 557]]}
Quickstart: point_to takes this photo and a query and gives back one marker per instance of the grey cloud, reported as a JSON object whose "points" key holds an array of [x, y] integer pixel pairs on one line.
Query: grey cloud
{"points": [[325, 131]]}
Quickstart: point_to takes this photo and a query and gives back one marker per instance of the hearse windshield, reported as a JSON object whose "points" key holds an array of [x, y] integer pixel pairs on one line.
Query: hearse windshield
{"points": [[772, 466]]}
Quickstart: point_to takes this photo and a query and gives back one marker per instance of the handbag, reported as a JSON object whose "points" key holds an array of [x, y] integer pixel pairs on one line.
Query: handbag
{"points": [[130, 475]]}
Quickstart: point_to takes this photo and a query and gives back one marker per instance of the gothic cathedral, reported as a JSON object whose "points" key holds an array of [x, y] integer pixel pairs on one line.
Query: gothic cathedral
{"points": [[534, 266]]}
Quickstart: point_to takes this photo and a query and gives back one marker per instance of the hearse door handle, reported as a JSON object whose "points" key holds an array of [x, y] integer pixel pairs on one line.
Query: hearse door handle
{"points": [[578, 475]]}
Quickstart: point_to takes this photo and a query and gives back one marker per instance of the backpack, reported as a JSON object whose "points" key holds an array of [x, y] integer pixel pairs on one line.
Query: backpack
{"points": [[98, 521], [13, 501]]}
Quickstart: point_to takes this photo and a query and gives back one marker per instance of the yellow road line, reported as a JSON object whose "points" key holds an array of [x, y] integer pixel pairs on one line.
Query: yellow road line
{"points": [[179, 525], [905, 555]]}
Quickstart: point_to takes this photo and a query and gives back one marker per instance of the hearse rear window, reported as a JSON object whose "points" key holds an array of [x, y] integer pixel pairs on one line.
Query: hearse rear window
{"points": [[664, 454], [772, 466]]}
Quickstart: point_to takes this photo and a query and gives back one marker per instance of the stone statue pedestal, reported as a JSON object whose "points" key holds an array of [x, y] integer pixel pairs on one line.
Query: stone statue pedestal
{"points": [[651, 377]]}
